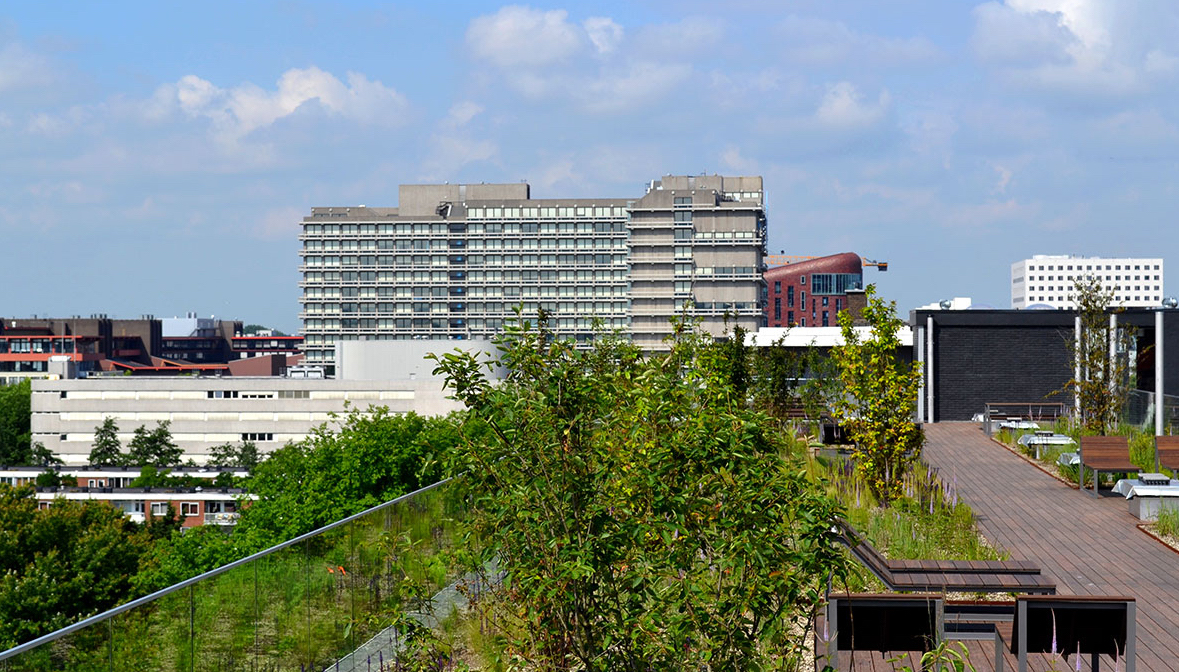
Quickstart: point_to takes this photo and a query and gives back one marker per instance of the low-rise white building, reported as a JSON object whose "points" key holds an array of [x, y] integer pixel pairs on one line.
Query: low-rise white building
{"points": [[204, 412], [1048, 280]]}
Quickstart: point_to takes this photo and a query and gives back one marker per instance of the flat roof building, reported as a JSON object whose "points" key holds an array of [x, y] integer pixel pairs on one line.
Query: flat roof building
{"points": [[1047, 281], [454, 261], [205, 412]]}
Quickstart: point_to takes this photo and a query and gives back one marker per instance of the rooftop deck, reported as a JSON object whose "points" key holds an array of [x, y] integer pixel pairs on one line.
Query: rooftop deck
{"points": [[1088, 546]]}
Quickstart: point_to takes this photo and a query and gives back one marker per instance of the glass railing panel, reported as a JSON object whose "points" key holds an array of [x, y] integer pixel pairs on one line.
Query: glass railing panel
{"points": [[87, 650], [225, 617], [283, 622], [154, 636], [327, 599]]}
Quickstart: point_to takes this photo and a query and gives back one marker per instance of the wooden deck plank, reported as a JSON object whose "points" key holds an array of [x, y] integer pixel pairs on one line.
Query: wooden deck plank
{"points": [[1087, 545]]}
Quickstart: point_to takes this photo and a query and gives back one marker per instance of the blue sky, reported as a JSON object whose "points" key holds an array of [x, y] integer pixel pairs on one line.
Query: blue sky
{"points": [[156, 158]]}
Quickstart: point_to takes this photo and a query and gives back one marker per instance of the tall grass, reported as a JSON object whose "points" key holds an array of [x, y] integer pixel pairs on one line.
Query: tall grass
{"points": [[1167, 524], [929, 522]]}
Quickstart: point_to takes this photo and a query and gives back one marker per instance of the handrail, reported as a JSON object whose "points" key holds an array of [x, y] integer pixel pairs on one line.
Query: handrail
{"points": [[110, 613]]}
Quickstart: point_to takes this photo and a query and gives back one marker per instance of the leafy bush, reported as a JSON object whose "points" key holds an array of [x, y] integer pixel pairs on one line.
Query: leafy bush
{"points": [[644, 516]]}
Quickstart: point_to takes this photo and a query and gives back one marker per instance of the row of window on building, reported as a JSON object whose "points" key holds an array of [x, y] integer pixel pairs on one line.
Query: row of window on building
{"points": [[1092, 267]]}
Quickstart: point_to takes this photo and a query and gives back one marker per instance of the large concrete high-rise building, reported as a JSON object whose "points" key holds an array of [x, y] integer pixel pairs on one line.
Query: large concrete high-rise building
{"points": [[453, 261], [1048, 280]]}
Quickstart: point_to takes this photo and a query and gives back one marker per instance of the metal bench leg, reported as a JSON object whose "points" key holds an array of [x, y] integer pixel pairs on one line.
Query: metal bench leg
{"points": [[1131, 652], [832, 636], [1022, 653], [998, 651]]}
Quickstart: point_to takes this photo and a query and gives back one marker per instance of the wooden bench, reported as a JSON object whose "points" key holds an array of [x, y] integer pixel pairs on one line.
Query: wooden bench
{"points": [[968, 576], [1166, 453], [1105, 454], [1094, 624]]}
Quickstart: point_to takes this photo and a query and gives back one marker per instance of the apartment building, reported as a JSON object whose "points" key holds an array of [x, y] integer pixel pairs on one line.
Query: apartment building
{"points": [[811, 292], [1048, 280], [455, 261]]}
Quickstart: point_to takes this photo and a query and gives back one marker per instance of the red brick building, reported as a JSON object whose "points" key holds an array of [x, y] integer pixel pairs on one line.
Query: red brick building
{"points": [[811, 293]]}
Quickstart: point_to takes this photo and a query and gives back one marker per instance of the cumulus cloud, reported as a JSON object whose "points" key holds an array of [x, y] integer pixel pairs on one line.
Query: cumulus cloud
{"points": [[546, 56], [455, 144], [236, 112], [844, 107], [688, 35], [603, 33], [278, 223], [22, 69], [815, 41], [637, 84], [522, 36], [462, 113], [1083, 47]]}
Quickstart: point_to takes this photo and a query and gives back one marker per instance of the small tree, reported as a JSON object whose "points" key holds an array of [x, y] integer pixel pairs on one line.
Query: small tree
{"points": [[154, 447], [880, 394], [224, 455], [244, 455], [645, 516], [1104, 381], [15, 415], [107, 450]]}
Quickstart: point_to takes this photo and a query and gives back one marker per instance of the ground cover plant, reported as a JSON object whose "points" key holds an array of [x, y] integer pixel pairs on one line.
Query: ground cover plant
{"points": [[644, 516]]}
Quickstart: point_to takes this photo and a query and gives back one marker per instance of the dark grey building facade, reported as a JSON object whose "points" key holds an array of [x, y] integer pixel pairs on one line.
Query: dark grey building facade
{"points": [[970, 358]]}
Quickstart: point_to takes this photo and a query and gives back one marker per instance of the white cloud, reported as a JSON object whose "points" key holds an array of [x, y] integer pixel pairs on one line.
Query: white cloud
{"points": [[1005, 175], [462, 113], [843, 107], [236, 112], [560, 171], [733, 159], [817, 41], [450, 153], [278, 223], [21, 68], [603, 33], [691, 34], [1160, 63], [455, 145], [1006, 35], [1090, 48], [544, 56], [636, 85], [518, 35]]}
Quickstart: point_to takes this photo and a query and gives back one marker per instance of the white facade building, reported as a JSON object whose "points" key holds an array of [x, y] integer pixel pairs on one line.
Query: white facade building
{"points": [[204, 412], [1048, 280]]}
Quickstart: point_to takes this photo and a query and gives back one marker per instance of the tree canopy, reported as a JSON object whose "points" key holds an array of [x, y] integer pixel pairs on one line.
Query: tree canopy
{"points": [[879, 398], [645, 516], [59, 565], [15, 416], [154, 447], [106, 449]]}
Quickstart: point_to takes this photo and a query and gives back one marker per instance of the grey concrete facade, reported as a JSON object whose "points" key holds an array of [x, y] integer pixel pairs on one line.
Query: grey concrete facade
{"points": [[406, 360], [206, 412], [454, 261]]}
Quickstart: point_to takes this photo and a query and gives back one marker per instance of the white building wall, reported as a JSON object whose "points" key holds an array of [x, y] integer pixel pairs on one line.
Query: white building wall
{"points": [[1049, 280], [206, 412]]}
